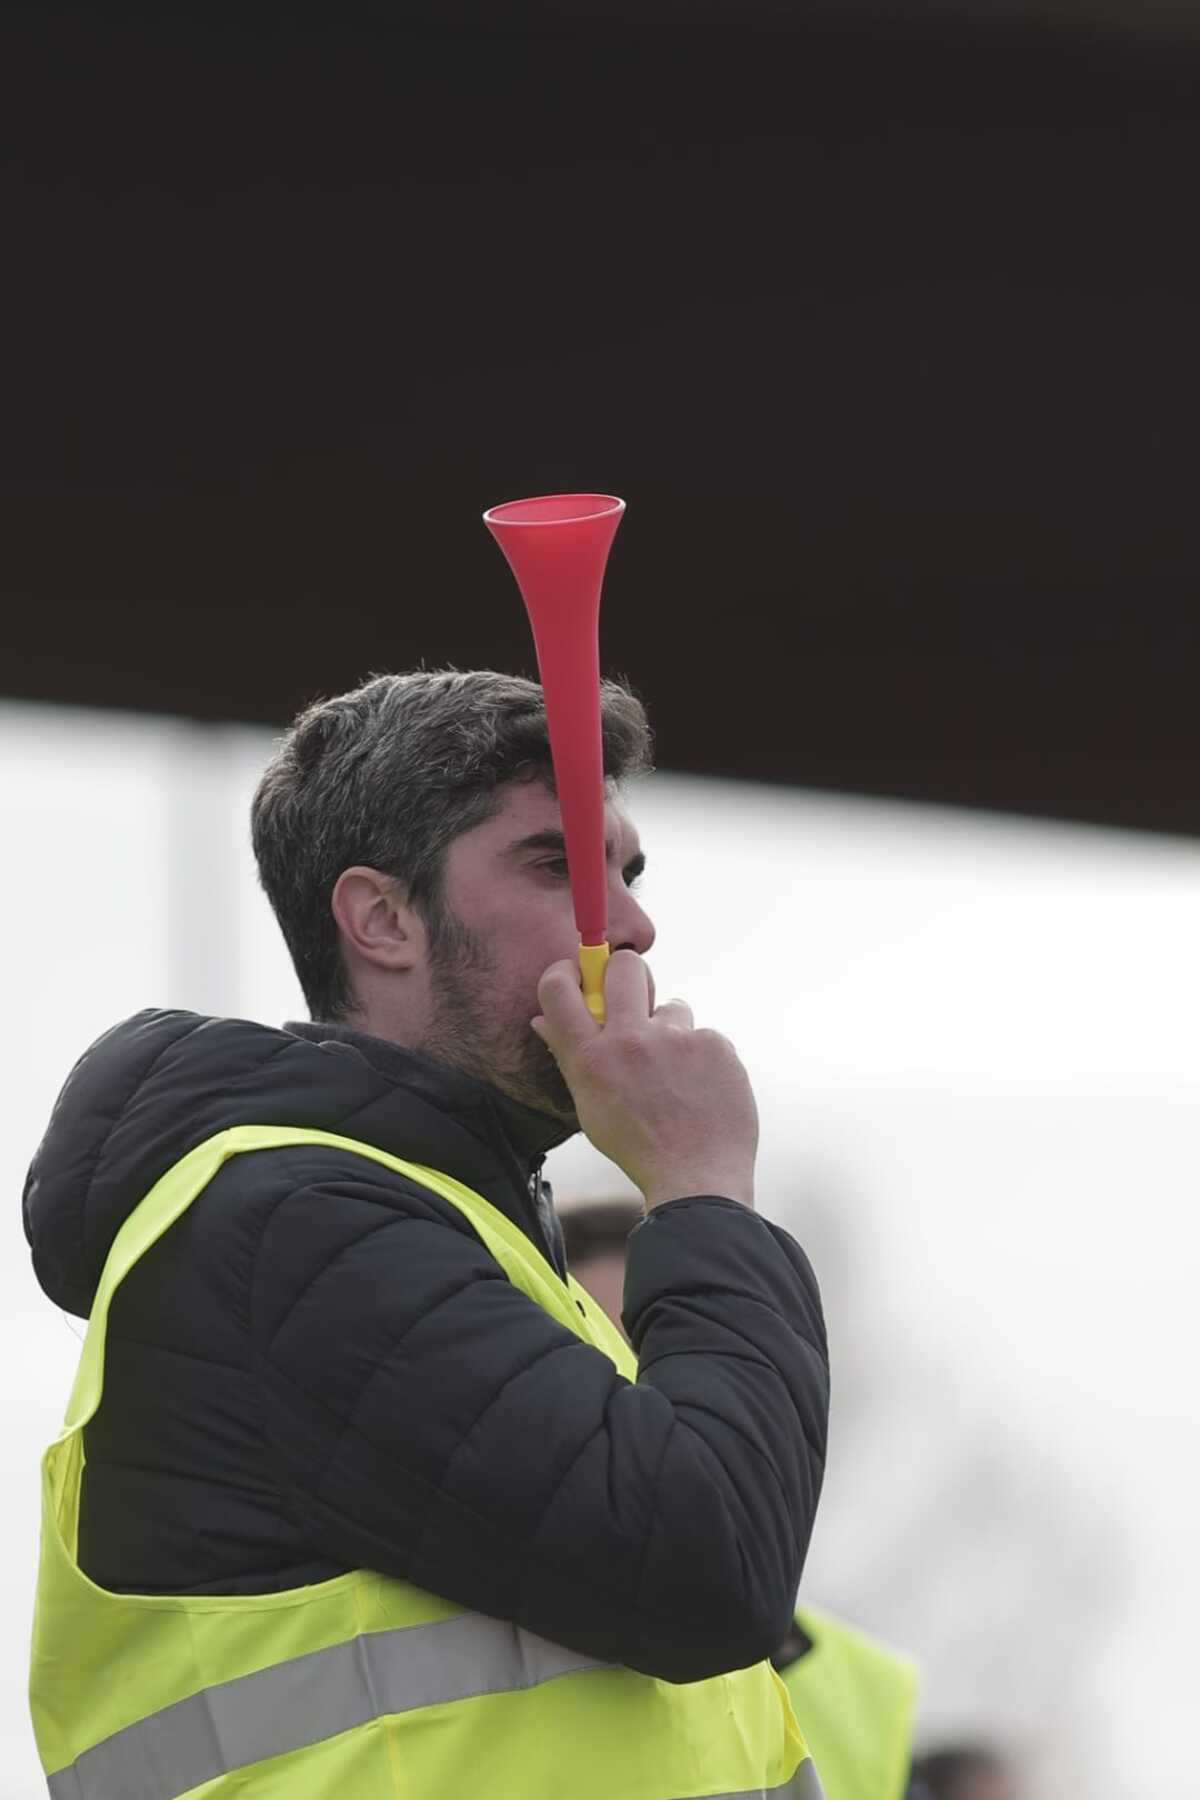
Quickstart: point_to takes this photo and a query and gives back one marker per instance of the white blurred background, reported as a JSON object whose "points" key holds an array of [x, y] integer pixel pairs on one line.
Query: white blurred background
{"points": [[974, 1042]]}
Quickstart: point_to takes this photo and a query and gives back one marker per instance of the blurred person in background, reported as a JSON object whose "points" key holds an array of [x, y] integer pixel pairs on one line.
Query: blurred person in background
{"points": [[854, 1698], [963, 1772], [357, 1489]]}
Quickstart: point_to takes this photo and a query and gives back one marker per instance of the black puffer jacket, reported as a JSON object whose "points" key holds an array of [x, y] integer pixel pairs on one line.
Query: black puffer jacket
{"points": [[320, 1367]]}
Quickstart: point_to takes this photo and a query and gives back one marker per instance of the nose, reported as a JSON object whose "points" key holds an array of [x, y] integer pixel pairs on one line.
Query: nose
{"points": [[629, 927]]}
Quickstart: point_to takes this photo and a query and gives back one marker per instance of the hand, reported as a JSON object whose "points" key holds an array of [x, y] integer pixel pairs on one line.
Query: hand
{"points": [[670, 1105]]}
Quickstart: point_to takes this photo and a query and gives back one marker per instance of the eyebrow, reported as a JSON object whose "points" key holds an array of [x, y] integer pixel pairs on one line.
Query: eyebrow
{"points": [[554, 840]]}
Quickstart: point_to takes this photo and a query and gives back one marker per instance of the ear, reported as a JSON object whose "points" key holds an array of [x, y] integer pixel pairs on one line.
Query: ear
{"points": [[376, 921]]}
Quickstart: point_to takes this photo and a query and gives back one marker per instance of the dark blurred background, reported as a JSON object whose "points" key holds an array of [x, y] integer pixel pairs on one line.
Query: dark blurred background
{"points": [[883, 320]]}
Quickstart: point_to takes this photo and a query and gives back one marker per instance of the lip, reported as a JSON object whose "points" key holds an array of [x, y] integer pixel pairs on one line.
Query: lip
{"points": [[559, 509]]}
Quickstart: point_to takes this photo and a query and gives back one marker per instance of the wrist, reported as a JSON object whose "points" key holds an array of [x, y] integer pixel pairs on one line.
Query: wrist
{"points": [[681, 1184]]}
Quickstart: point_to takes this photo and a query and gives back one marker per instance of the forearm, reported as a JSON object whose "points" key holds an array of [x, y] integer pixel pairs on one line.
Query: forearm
{"points": [[724, 1312]]}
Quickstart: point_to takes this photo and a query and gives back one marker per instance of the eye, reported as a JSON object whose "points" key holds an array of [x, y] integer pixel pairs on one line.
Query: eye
{"points": [[556, 866]]}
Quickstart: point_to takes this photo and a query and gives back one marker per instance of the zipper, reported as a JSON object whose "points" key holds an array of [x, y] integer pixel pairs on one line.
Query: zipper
{"points": [[536, 1178], [536, 1195]]}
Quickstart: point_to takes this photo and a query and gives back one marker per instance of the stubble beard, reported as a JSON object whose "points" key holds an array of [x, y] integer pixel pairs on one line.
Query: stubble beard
{"points": [[478, 1028]]}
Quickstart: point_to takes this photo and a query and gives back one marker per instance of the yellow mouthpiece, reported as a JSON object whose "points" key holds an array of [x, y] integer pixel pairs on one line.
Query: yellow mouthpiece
{"points": [[592, 958]]}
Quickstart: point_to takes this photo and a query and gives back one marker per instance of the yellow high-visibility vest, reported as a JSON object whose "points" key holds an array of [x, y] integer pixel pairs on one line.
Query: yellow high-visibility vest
{"points": [[362, 1687], [854, 1699]]}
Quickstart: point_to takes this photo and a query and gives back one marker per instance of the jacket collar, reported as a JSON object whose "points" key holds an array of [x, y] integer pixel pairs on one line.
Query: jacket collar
{"points": [[158, 1084], [516, 1135], [483, 1109]]}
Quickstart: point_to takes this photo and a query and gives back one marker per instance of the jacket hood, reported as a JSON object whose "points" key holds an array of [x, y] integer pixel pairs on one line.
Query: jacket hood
{"points": [[160, 1083]]}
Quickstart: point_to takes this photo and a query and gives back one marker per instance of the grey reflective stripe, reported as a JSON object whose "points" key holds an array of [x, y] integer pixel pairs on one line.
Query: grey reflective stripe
{"points": [[308, 1699], [311, 1698], [804, 1785]]}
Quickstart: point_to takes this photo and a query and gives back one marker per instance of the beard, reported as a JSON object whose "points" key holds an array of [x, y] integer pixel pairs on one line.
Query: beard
{"points": [[479, 1029]]}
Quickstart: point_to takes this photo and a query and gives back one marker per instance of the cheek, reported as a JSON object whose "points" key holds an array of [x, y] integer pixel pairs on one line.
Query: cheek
{"points": [[540, 932]]}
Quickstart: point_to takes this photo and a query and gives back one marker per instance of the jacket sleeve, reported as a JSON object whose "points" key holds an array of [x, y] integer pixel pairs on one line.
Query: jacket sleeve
{"points": [[430, 1421]]}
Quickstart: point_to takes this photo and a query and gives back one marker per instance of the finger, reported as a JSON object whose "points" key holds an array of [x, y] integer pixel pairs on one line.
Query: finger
{"points": [[564, 1021], [628, 989], [675, 1012]]}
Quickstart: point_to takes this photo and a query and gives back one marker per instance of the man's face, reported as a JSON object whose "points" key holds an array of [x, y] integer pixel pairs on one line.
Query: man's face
{"points": [[509, 916]]}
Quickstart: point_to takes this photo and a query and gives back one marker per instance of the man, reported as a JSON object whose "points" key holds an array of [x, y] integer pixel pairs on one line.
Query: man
{"points": [[964, 1772], [854, 1697], [357, 1495]]}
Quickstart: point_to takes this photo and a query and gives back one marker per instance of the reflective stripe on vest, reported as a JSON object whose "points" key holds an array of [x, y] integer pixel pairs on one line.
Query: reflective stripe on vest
{"points": [[854, 1699], [318, 1696], [361, 1685]]}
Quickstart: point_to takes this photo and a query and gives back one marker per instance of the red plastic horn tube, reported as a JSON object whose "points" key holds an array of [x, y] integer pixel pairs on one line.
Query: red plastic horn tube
{"points": [[557, 546]]}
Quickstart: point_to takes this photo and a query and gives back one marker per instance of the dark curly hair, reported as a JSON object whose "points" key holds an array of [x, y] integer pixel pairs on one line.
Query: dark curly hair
{"points": [[388, 775]]}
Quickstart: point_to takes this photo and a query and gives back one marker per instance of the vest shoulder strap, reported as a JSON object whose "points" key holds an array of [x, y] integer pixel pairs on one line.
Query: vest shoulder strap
{"points": [[174, 1192]]}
